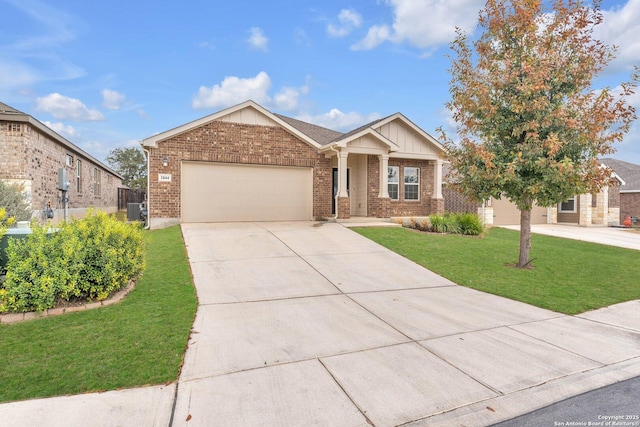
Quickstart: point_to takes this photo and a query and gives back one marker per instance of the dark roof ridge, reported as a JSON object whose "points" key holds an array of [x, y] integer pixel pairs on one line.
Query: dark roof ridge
{"points": [[320, 134], [361, 128]]}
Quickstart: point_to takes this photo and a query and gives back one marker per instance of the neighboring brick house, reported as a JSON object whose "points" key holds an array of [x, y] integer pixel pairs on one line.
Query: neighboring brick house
{"points": [[583, 209], [32, 154], [248, 164], [630, 189]]}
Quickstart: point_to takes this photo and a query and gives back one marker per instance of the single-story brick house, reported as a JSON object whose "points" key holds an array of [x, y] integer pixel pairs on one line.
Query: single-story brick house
{"points": [[629, 173], [32, 154], [246, 163], [582, 209]]}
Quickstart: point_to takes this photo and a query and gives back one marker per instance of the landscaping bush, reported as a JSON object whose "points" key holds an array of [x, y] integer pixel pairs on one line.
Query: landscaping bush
{"points": [[86, 259], [446, 223], [470, 224]]}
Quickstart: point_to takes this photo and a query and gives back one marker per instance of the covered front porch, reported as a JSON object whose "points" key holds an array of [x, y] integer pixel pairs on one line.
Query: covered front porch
{"points": [[389, 167]]}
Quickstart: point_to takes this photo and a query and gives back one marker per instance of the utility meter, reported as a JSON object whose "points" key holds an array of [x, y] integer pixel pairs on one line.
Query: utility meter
{"points": [[63, 182]]}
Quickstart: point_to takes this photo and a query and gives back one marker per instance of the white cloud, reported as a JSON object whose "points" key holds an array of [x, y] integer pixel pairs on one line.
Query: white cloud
{"points": [[337, 120], [257, 39], [64, 108], [621, 27], [301, 37], [349, 19], [234, 90], [64, 130], [287, 98], [112, 100], [375, 36], [425, 24]]}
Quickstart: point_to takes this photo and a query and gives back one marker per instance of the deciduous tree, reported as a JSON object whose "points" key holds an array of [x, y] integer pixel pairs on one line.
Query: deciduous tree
{"points": [[131, 164], [530, 126]]}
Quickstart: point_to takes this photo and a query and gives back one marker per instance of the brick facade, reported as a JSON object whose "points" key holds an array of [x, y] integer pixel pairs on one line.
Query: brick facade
{"points": [[421, 207], [247, 134], [225, 142], [455, 202], [32, 157], [629, 205], [382, 208]]}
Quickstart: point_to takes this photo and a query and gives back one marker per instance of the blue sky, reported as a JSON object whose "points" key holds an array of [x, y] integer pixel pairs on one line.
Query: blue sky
{"points": [[108, 74]]}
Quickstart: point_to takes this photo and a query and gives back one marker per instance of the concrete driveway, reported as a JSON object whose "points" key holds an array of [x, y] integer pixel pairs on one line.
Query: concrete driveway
{"points": [[612, 236], [312, 324]]}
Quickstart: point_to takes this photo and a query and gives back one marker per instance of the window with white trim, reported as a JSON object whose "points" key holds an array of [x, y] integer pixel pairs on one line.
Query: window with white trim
{"points": [[79, 176], [568, 206], [411, 183], [393, 182], [97, 182], [69, 160]]}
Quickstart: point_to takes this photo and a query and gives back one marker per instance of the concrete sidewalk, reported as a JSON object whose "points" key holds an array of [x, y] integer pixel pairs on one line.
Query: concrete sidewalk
{"points": [[313, 324]]}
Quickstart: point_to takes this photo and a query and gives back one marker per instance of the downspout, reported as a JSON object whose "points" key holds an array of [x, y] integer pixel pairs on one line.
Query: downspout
{"points": [[146, 152], [335, 200]]}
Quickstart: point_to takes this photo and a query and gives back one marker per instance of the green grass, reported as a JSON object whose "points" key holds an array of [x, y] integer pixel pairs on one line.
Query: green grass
{"points": [[569, 276], [139, 341]]}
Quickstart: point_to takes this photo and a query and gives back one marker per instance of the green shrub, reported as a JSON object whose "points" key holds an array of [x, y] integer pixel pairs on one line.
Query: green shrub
{"points": [[446, 223], [14, 200], [86, 259], [470, 224]]}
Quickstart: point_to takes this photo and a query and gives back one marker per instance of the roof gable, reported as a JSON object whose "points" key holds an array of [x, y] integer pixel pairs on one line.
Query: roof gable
{"points": [[409, 138], [364, 136], [628, 172], [247, 112]]}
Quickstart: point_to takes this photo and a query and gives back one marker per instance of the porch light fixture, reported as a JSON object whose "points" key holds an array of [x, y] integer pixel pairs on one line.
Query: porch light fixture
{"points": [[165, 162]]}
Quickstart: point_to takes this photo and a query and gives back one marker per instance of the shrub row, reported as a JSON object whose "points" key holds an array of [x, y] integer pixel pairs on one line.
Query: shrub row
{"points": [[86, 259], [459, 223]]}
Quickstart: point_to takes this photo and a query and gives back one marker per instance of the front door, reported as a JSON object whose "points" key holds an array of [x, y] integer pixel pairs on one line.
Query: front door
{"points": [[335, 189]]}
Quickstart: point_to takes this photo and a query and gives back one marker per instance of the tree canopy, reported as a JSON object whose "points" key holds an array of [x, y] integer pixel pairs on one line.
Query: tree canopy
{"points": [[530, 126], [131, 164]]}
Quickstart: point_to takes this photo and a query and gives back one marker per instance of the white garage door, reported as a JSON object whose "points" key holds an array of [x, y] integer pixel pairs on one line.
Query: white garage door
{"points": [[220, 192]]}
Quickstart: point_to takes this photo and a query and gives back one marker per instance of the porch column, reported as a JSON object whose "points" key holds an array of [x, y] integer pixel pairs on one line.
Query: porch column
{"points": [[342, 174], [437, 180], [584, 210], [601, 211], [384, 175]]}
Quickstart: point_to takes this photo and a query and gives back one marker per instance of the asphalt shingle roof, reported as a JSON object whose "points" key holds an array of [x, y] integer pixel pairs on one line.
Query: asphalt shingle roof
{"points": [[629, 172], [319, 134], [361, 128]]}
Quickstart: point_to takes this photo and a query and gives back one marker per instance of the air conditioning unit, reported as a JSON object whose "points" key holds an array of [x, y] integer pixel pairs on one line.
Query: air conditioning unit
{"points": [[133, 211]]}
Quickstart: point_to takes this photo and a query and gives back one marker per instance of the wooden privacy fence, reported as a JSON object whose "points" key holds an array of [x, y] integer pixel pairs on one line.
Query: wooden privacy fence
{"points": [[129, 195]]}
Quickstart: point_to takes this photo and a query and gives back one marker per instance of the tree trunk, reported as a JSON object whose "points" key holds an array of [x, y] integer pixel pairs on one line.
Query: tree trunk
{"points": [[525, 237]]}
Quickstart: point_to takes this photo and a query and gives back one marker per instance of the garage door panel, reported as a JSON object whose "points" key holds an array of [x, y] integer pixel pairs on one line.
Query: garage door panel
{"points": [[219, 192], [507, 213]]}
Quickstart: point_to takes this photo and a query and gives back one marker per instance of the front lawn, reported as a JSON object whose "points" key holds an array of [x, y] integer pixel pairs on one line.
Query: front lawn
{"points": [[139, 341], [569, 276]]}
